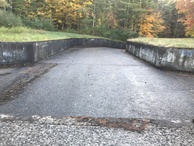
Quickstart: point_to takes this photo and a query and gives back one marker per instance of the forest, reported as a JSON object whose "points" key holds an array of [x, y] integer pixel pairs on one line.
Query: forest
{"points": [[115, 19]]}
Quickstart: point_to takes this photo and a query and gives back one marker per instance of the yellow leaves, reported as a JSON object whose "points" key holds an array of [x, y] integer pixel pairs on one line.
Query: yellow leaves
{"points": [[66, 12], [187, 8], [150, 24], [59, 21], [190, 32], [3, 4], [88, 3]]}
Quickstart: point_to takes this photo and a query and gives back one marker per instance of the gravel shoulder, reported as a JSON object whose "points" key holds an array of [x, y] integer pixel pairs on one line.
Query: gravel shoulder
{"points": [[76, 131]]}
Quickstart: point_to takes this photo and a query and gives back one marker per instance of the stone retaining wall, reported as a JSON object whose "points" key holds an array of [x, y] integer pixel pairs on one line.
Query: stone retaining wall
{"points": [[179, 59], [12, 53]]}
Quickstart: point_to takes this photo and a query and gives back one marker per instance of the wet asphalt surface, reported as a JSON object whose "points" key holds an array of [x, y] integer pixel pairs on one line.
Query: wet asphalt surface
{"points": [[105, 82]]}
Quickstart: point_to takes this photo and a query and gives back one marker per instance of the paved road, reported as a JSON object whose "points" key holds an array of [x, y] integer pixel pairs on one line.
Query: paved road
{"points": [[105, 82]]}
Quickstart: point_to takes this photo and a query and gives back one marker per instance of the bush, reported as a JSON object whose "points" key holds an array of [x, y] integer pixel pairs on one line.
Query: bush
{"points": [[102, 31], [8, 19], [32, 23], [12, 30], [116, 34], [122, 34], [39, 24], [47, 24]]}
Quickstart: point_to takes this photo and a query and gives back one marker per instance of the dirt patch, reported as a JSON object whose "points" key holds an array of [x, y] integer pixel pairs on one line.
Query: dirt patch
{"points": [[128, 124], [24, 78], [136, 125]]}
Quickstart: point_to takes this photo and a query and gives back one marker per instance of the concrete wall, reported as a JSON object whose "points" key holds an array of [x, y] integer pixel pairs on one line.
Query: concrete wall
{"points": [[15, 53], [29, 52], [161, 57], [179, 59]]}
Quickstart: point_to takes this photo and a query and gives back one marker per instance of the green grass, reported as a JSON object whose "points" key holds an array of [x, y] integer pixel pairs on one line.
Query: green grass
{"points": [[167, 42], [22, 34]]}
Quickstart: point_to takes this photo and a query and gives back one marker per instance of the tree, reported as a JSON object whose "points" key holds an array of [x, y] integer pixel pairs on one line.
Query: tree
{"points": [[111, 20], [66, 13], [129, 12], [187, 8], [31, 9], [150, 24], [173, 27], [20, 7], [106, 17]]}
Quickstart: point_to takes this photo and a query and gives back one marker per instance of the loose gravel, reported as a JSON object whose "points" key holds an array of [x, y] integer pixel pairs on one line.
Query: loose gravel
{"points": [[67, 131]]}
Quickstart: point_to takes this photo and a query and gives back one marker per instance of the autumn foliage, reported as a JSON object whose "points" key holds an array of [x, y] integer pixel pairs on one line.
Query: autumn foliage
{"points": [[116, 19], [150, 24], [64, 13], [187, 8]]}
